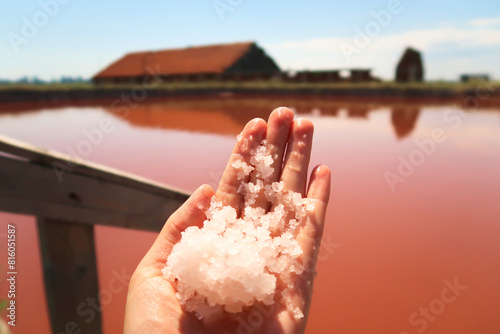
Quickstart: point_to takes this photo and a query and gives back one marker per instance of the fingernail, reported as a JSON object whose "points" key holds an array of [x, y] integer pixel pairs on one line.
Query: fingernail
{"points": [[254, 123]]}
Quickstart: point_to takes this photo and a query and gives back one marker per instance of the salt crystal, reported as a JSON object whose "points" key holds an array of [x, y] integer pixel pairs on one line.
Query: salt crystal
{"points": [[297, 313], [243, 168], [278, 186], [234, 262]]}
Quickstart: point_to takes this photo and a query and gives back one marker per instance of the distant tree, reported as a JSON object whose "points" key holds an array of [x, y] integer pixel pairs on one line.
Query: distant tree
{"points": [[37, 81], [410, 67]]}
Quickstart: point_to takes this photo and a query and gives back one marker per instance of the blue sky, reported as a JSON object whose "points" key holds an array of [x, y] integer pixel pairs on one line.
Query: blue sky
{"points": [[78, 38]]}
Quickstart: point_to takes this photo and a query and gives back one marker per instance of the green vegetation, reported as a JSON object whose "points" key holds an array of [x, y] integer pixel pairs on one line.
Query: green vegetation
{"points": [[438, 85], [47, 86], [3, 304]]}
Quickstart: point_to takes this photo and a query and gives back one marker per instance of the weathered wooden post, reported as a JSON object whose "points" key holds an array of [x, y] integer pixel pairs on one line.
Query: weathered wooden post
{"points": [[69, 198]]}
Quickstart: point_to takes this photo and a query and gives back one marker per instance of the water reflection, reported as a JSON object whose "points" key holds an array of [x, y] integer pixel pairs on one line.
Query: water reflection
{"points": [[228, 116], [358, 112], [327, 111], [396, 248], [404, 120]]}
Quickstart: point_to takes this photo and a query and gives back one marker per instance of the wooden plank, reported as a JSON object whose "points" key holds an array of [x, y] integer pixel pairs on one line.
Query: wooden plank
{"points": [[72, 165], [70, 275], [31, 188]]}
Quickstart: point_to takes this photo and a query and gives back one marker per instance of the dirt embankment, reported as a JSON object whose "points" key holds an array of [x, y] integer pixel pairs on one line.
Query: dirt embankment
{"points": [[15, 99]]}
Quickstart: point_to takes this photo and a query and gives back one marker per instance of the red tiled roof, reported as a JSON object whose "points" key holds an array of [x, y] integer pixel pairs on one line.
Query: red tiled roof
{"points": [[191, 60]]}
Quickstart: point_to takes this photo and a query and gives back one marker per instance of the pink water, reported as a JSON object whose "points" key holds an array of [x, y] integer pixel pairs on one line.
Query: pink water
{"points": [[388, 250]]}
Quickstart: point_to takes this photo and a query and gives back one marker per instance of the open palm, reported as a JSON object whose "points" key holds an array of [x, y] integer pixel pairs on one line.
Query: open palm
{"points": [[152, 306]]}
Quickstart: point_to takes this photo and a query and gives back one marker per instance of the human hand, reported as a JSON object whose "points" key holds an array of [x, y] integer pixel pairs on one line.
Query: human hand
{"points": [[152, 306]]}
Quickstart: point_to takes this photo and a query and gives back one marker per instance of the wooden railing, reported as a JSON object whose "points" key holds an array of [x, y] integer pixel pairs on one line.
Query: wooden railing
{"points": [[68, 198]]}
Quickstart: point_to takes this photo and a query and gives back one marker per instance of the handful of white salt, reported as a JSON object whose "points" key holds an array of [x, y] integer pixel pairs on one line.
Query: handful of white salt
{"points": [[234, 262]]}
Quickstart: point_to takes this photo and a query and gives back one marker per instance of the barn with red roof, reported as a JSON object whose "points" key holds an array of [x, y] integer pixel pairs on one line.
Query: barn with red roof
{"points": [[237, 61]]}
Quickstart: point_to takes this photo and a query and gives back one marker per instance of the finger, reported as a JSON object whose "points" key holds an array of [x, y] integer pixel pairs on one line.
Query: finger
{"points": [[278, 131], [294, 174], [191, 213], [251, 136], [309, 237]]}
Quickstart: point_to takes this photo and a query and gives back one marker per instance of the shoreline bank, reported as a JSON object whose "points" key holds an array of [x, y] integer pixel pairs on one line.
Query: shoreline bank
{"points": [[19, 98]]}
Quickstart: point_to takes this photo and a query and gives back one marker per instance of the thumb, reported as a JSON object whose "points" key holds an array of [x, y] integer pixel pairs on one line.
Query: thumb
{"points": [[191, 213]]}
